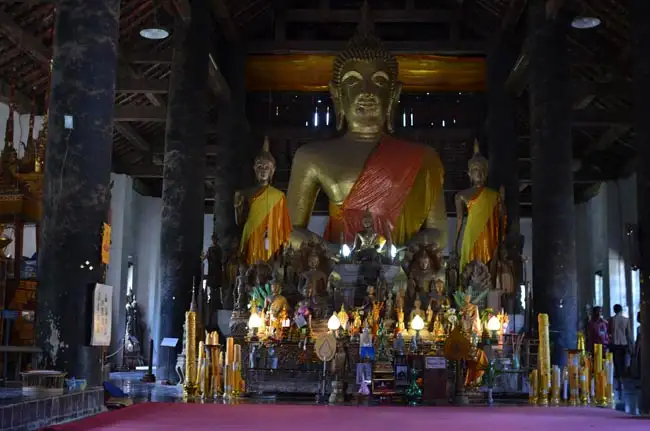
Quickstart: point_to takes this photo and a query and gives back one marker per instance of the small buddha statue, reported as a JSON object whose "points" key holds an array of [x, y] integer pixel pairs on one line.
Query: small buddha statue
{"points": [[241, 289], [486, 216], [471, 318], [438, 328], [276, 302], [388, 310], [442, 299], [400, 327], [367, 243], [417, 310], [429, 314], [369, 299], [313, 286], [214, 279], [423, 272]]}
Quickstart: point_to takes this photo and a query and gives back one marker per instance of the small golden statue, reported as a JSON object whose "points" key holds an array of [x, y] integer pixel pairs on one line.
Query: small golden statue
{"points": [[401, 182], [417, 310], [486, 216], [343, 317], [276, 302], [400, 327], [262, 210]]}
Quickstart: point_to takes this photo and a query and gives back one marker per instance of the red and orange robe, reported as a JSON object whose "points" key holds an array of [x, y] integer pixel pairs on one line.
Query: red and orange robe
{"points": [[268, 219], [400, 183]]}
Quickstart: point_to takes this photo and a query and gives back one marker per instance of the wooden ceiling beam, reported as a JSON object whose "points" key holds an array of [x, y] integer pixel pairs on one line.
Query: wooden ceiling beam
{"points": [[152, 86], [132, 136], [148, 57], [378, 15], [440, 46]]}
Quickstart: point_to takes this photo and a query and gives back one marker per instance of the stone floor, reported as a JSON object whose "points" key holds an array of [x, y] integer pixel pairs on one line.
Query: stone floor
{"points": [[155, 392]]}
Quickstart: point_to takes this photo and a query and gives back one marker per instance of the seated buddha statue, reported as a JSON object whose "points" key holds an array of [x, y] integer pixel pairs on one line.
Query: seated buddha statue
{"points": [[276, 302], [313, 286], [417, 311], [262, 213], [399, 182], [486, 216], [424, 272], [367, 242]]}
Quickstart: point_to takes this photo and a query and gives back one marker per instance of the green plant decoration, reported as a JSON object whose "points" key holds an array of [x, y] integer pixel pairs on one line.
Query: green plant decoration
{"points": [[413, 392], [459, 297]]}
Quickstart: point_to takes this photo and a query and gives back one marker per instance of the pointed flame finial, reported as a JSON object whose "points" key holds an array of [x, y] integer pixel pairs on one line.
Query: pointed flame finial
{"points": [[477, 148], [365, 25], [267, 145], [193, 303]]}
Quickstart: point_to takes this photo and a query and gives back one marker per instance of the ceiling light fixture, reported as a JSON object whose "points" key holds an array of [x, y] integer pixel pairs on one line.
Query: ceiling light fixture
{"points": [[155, 31], [585, 22]]}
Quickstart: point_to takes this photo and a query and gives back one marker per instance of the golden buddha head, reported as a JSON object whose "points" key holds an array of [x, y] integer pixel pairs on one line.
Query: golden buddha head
{"points": [[477, 167], [417, 303], [264, 164], [364, 86], [276, 288]]}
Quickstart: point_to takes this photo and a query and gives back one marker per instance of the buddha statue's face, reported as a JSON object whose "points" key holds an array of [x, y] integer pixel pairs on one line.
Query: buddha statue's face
{"points": [[367, 223], [424, 261], [275, 288], [264, 170], [417, 304], [477, 175], [313, 262], [365, 95]]}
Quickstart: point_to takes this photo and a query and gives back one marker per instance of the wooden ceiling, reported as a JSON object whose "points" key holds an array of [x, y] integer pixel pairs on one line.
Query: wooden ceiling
{"points": [[600, 71]]}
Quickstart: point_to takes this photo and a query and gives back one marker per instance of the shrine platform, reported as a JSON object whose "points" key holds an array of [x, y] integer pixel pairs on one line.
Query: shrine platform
{"points": [[26, 413]]}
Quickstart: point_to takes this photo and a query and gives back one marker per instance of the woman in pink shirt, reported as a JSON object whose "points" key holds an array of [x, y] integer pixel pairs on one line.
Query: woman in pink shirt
{"points": [[597, 330]]}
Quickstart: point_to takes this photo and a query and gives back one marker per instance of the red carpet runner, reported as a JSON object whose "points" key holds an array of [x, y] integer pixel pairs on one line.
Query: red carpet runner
{"points": [[281, 417]]}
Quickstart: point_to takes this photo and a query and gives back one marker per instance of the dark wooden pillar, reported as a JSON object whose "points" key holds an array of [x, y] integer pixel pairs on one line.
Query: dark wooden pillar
{"points": [[233, 142], [640, 12], [181, 239], [554, 248], [503, 143], [77, 175]]}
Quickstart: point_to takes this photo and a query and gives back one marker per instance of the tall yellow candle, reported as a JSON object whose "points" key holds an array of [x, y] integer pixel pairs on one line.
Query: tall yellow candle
{"points": [[598, 358], [534, 389]]}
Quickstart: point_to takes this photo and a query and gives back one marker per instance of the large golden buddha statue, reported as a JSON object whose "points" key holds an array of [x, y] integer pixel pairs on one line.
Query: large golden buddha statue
{"points": [[400, 183], [262, 210], [486, 217]]}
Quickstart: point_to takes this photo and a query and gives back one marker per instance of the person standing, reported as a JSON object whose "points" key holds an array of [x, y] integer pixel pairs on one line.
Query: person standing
{"points": [[620, 339], [597, 330]]}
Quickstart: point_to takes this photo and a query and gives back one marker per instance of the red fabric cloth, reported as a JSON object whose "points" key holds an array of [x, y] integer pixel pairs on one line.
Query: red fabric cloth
{"points": [[597, 333], [283, 417], [382, 188]]}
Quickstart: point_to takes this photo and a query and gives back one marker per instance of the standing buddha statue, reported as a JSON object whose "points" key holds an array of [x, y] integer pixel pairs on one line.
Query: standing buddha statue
{"points": [[485, 224], [262, 210], [399, 182]]}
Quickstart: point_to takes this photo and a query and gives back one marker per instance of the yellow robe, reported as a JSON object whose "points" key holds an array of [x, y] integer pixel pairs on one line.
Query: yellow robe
{"points": [[481, 235], [268, 218]]}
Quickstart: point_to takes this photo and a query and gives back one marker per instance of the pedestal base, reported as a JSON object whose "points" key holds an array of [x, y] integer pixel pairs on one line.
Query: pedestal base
{"points": [[239, 323]]}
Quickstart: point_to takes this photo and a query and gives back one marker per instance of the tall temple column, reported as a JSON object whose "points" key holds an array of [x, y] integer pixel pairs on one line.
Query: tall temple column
{"points": [[554, 248], [181, 238], [77, 176], [234, 159], [503, 142], [640, 11]]}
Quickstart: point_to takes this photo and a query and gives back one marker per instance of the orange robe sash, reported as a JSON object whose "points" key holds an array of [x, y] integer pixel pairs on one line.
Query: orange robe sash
{"points": [[268, 219], [482, 229], [382, 188]]}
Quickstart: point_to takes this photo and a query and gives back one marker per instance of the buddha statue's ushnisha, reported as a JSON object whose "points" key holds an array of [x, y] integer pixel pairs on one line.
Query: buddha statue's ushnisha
{"points": [[400, 182], [486, 216], [262, 210]]}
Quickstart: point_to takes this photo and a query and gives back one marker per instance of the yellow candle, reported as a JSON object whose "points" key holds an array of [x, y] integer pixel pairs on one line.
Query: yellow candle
{"points": [[532, 394], [598, 358]]}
